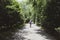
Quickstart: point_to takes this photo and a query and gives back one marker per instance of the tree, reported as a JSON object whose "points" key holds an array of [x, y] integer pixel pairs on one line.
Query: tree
{"points": [[39, 7], [10, 16], [52, 14]]}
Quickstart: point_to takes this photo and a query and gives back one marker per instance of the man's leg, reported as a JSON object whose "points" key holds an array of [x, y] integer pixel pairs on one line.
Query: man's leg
{"points": [[30, 25]]}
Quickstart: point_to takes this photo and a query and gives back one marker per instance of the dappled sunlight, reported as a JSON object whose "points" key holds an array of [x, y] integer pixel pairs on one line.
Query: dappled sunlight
{"points": [[30, 33]]}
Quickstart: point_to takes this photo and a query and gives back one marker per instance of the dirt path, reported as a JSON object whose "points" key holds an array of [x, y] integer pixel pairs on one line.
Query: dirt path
{"points": [[33, 33]]}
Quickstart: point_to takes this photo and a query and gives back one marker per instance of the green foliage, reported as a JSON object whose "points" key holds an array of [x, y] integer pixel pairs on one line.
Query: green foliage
{"points": [[26, 11], [39, 7], [10, 16], [52, 14], [46, 13]]}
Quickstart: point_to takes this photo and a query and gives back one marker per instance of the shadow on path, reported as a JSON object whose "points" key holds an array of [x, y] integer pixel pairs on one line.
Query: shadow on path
{"points": [[54, 35]]}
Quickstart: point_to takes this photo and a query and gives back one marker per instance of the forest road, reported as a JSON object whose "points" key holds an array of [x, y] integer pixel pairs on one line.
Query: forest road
{"points": [[33, 33]]}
